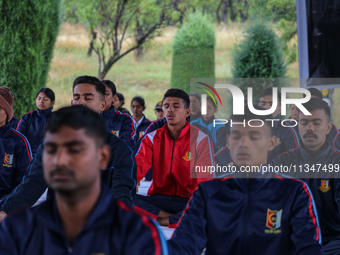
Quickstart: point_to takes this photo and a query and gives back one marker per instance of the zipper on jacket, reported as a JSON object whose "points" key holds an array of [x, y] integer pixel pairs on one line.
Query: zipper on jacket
{"points": [[172, 158]]}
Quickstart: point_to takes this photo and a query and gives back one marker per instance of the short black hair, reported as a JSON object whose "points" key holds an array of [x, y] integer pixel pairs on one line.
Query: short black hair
{"points": [[100, 87], [315, 92], [140, 100], [78, 117], [269, 92], [317, 104], [111, 85], [48, 92], [248, 115], [179, 94], [121, 98]]}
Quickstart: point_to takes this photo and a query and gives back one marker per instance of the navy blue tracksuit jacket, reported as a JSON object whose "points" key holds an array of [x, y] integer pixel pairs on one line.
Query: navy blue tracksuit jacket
{"points": [[14, 122], [15, 156], [140, 130], [119, 124], [218, 134], [249, 216], [112, 228], [120, 177], [32, 126], [326, 191]]}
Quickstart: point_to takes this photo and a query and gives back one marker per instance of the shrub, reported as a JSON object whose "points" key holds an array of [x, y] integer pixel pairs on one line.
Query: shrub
{"points": [[193, 52], [28, 34]]}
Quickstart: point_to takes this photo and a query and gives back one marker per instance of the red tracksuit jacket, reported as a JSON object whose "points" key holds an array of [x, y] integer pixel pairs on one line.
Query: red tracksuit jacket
{"points": [[174, 161]]}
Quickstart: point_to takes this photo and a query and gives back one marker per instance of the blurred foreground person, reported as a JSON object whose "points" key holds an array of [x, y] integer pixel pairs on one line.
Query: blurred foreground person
{"points": [[82, 217]]}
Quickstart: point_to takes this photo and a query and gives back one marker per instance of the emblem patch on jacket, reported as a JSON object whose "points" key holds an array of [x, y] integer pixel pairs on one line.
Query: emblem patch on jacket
{"points": [[141, 133], [8, 160], [115, 132], [273, 222], [187, 156], [324, 187]]}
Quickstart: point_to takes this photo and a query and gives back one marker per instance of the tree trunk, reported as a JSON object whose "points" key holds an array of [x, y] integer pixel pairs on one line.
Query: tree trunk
{"points": [[232, 11], [244, 13], [218, 12], [139, 51], [225, 11], [94, 37]]}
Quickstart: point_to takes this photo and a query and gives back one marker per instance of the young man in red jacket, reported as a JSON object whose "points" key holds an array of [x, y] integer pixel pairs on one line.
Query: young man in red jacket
{"points": [[174, 152]]}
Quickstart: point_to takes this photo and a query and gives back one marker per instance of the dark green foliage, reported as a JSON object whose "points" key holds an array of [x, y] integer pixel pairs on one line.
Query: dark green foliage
{"points": [[193, 52], [283, 14], [28, 33], [259, 55]]}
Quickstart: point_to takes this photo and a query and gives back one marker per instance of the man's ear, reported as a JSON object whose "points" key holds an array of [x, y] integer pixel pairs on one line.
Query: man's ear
{"points": [[102, 105], [329, 127], [228, 136], [187, 113], [273, 142], [104, 156]]}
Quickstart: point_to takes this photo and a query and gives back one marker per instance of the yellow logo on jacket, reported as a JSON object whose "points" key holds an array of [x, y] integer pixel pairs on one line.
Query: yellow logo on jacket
{"points": [[273, 222], [141, 133], [324, 187], [187, 156], [8, 160], [115, 132]]}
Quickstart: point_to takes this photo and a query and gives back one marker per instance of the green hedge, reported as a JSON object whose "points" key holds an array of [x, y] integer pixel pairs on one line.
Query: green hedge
{"points": [[259, 55], [193, 52], [28, 33]]}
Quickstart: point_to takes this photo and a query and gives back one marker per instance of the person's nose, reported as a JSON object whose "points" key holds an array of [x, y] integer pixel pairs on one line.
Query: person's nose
{"points": [[244, 141], [61, 158], [81, 101], [310, 126]]}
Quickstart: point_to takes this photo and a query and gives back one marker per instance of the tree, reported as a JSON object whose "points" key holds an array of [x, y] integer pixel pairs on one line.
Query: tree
{"points": [[121, 26], [193, 52], [259, 55], [27, 37], [283, 13]]}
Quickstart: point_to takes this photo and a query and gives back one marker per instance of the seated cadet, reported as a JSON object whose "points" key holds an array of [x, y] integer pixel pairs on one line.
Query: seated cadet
{"points": [[294, 112], [119, 176], [116, 122], [32, 124], [82, 217], [15, 151], [316, 158], [195, 106], [316, 93], [172, 151], [140, 121], [206, 123], [249, 212], [118, 103], [159, 110], [286, 136]]}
